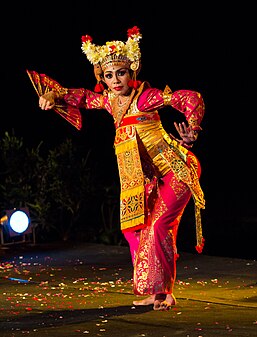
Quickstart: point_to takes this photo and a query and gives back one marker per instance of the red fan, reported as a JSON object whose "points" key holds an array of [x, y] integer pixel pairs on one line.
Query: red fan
{"points": [[42, 84]]}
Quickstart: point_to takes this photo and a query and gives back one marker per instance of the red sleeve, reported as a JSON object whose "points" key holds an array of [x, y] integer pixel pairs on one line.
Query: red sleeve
{"points": [[191, 104], [188, 102]]}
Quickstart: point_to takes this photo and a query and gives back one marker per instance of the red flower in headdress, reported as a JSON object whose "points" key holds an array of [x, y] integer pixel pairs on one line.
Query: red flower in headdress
{"points": [[86, 38], [133, 31], [112, 48]]}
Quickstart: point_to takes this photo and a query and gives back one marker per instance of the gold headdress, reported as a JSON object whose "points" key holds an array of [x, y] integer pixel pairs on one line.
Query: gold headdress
{"points": [[114, 53]]}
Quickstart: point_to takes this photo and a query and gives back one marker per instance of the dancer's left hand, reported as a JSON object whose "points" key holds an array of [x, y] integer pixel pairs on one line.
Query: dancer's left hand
{"points": [[187, 134]]}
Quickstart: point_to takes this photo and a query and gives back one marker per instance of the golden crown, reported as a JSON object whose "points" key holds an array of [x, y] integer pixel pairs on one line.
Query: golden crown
{"points": [[114, 51]]}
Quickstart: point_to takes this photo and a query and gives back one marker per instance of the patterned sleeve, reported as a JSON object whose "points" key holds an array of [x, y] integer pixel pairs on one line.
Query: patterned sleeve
{"points": [[83, 98], [68, 101], [75, 99], [188, 102], [191, 104]]}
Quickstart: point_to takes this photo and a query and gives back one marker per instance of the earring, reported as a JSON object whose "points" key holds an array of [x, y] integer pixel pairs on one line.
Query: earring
{"points": [[99, 87], [133, 83]]}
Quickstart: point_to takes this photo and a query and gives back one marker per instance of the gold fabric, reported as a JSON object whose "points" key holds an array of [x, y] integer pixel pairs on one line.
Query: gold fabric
{"points": [[131, 178]]}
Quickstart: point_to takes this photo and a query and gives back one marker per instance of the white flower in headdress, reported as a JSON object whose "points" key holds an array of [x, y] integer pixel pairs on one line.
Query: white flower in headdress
{"points": [[130, 49]]}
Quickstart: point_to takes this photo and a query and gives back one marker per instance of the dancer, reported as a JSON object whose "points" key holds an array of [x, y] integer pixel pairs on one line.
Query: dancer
{"points": [[158, 172]]}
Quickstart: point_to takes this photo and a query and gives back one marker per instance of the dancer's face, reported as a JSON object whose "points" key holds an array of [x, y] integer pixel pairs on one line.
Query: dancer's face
{"points": [[116, 78]]}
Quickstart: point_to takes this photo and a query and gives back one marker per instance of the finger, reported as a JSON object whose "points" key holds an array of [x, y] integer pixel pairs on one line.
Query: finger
{"points": [[181, 127], [50, 106], [177, 127], [185, 129]]}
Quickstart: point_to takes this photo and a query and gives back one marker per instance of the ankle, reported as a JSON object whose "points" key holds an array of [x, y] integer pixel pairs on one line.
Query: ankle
{"points": [[160, 297]]}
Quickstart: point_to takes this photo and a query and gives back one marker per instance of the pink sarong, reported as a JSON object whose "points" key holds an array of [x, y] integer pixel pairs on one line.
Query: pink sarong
{"points": [[154, 254]]}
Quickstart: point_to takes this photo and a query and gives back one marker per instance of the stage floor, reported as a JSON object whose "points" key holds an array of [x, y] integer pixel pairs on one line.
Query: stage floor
{"points": [[86, 289]]}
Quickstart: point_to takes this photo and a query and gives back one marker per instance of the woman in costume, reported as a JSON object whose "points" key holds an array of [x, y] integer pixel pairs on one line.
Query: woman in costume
{"points": [[158, 172]]}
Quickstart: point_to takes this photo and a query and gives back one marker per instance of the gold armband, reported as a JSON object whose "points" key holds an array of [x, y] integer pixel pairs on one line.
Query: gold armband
{"points": [[167, 94]]}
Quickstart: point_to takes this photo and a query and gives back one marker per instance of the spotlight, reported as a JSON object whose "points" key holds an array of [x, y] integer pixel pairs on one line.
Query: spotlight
{"points": [[15, 225]]}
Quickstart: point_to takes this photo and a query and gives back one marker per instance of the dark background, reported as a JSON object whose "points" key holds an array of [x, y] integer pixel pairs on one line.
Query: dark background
{"points": [[207, 48]]}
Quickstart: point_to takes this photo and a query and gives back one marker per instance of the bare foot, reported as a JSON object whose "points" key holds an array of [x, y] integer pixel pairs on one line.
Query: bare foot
{"points": [[158, 300], [164, 302], [147, 301]]}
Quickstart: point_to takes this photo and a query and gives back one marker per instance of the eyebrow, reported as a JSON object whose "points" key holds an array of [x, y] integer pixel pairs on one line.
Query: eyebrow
{"points": [[110, 71]]}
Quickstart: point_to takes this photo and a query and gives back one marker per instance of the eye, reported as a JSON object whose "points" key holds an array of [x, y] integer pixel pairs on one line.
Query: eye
{"points": [[108, 76], [121, 72]]}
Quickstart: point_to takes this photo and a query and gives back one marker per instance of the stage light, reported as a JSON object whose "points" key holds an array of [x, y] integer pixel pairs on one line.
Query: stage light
{"points": [[15, 225]]}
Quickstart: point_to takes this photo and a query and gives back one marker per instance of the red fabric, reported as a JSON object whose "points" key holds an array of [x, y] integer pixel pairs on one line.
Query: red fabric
{"points": [[188, 102], [138, 119], [156, 253]]}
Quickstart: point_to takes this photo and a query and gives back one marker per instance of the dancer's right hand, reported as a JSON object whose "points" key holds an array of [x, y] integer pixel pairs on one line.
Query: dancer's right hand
{"points": [[47, 101]]}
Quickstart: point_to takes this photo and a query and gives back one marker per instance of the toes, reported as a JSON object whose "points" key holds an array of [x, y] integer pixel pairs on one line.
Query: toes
{"points": [[164, 303], [161, 306], [165, 306]]}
